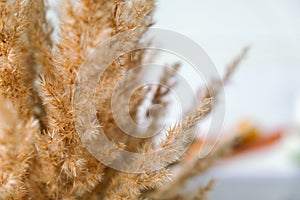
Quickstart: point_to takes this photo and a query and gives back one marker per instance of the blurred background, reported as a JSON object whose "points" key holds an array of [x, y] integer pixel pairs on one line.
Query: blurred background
{"points": [[264, 93]]}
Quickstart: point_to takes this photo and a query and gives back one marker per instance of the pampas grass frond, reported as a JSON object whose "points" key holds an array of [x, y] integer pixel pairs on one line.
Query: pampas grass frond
{"points": [[41, 154]]}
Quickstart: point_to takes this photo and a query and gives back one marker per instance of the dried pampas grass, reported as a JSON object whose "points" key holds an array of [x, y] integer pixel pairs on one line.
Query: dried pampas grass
{"points": [[41, 154]]}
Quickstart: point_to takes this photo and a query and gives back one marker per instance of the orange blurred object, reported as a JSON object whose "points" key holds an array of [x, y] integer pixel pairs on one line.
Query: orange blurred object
{"points": [[249, 138]]}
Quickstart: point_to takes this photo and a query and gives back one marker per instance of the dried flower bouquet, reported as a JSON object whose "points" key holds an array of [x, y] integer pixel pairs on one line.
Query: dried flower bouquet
{"points": [[41, 154]]}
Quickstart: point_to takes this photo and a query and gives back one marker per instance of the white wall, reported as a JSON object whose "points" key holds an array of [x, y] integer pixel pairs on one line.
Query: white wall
{"points": [[266, 85]]}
